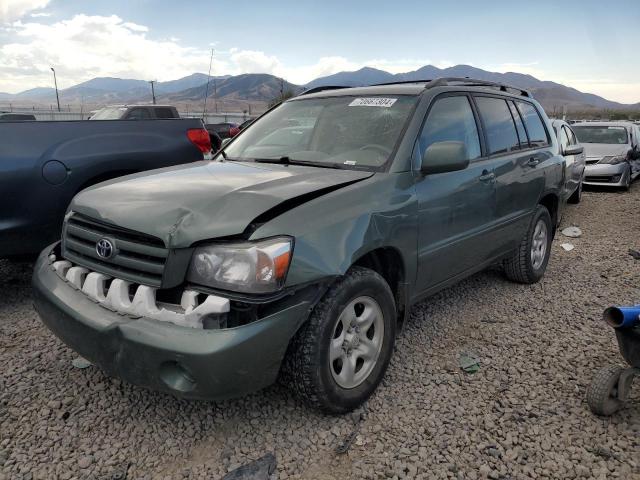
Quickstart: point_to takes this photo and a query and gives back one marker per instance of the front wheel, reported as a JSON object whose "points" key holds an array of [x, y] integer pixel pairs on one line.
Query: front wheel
{"points": [[338, 358], [529, 262]]}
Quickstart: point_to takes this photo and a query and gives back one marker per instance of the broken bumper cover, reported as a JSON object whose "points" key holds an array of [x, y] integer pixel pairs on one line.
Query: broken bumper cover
{"points": [[187, 362]]}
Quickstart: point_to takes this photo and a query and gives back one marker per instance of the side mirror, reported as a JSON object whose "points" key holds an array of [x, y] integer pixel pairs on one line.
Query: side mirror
{"points": [[443, 157], [573, 150], [224, 142]]}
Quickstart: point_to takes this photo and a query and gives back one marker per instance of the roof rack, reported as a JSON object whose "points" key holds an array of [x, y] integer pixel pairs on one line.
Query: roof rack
{"points": [[471, 82], [322, 89]]}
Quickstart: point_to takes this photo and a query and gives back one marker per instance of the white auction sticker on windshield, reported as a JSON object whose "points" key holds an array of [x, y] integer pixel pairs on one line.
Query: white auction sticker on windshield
{"points": [[373, 102]]}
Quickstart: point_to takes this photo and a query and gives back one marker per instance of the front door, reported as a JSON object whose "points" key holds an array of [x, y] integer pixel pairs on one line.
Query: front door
{"points": [[455, 208]]}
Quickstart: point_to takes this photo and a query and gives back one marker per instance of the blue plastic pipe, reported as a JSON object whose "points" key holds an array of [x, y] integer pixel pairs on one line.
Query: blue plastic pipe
{"points": [[622, 317]]}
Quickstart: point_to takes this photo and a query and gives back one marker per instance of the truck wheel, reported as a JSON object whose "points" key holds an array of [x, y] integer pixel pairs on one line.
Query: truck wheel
{"points": [[529, 262], [602, 394], [338, 358], [577, 195]]}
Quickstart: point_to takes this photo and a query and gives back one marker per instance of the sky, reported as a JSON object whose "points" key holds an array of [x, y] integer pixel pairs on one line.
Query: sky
{"points": [[593, 46]]}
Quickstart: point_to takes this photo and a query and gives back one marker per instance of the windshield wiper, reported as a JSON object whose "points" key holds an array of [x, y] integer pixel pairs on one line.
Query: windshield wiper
{"points": [[288, 161]]}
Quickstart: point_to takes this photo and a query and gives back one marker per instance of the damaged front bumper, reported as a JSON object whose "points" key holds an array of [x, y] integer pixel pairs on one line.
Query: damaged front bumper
{"points": [[602, 174], [161, 353]]}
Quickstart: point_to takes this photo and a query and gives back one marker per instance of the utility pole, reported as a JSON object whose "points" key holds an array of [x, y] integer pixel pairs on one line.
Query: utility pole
{"points": [[55, 82], [153, 92]]}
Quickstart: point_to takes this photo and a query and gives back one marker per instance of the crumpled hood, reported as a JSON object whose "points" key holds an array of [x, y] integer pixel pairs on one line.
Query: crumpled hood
{"points": [[605, 149], [185, 204]]}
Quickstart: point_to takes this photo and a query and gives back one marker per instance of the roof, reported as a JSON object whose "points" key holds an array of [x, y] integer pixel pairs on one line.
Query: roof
{"points": [[125, 105]]}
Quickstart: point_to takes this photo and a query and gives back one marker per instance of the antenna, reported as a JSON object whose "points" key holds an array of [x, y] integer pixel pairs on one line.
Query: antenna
{"points": [[206, 92], [153, 92]]}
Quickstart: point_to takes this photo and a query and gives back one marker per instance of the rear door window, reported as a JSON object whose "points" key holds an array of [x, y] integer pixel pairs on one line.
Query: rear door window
{"points": [[498, 124], [451, 119], [164, 112], [533, 122]]}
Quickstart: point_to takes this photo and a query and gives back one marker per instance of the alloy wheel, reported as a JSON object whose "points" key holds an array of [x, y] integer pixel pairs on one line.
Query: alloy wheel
{"points": [[539, 244]]}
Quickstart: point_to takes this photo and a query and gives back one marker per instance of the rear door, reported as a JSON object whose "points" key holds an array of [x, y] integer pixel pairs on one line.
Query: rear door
{"points": [[507, 143], [455, 208], [514, 136]]}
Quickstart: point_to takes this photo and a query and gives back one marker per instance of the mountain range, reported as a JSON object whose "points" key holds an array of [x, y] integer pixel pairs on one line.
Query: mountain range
{"points": [[257, 89]]}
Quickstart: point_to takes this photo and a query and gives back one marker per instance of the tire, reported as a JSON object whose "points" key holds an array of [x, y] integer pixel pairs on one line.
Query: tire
{"points": [[308, 370], [520, 267], [577, 195], [627, 185], [602, 393]]}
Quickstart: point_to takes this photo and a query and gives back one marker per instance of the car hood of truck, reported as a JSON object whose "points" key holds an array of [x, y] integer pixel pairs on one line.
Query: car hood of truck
{"points": [[605, 149], [206, 200]]}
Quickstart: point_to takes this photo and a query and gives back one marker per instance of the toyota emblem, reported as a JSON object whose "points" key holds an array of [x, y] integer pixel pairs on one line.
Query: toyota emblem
{"points": [[104, 248]]}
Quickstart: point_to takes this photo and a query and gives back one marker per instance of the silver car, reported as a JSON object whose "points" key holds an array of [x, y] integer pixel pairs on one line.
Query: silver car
{"points": [[613, 152], [574, 157]]}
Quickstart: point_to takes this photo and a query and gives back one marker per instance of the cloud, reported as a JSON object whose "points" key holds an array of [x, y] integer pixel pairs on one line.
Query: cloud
{"points": [[40, 14], [11, 10], [86, 46]]}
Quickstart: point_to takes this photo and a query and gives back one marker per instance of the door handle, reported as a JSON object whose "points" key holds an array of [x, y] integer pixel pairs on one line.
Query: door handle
{"points": [[533, 161], [487, 177]]}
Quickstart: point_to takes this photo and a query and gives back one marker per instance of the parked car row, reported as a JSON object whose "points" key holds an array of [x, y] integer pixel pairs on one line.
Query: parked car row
{"points": [[300, 249]]}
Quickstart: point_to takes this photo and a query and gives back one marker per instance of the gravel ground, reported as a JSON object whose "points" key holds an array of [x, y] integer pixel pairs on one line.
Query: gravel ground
{"points": [[523, 415]]}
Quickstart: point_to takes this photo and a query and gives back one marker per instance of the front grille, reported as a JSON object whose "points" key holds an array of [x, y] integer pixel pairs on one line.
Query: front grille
{"points": [[137, 257], [601, 179]]}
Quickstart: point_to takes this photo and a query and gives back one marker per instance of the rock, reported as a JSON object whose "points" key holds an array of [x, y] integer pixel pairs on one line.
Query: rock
{"points": [[85, 462], [572, 232]]}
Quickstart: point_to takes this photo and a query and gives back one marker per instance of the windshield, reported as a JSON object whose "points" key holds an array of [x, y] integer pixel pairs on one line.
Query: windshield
{"points": [[600, 134], [110, 113], [348, 131]]}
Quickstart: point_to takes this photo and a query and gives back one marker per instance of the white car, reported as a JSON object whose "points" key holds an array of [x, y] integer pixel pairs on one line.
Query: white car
{"points": [[613, 152]]}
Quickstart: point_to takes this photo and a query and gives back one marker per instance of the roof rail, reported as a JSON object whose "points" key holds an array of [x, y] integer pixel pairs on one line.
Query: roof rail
{"points": [[322, 89], [400, 82], [471, 82]]}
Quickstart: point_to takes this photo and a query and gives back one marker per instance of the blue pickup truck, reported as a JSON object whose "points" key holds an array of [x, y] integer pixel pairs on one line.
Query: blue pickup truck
{"points": [[44, 164]]}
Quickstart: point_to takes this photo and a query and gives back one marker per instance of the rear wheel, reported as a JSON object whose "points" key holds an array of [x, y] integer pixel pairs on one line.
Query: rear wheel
{"points": [[529, 262], [338, 358]]}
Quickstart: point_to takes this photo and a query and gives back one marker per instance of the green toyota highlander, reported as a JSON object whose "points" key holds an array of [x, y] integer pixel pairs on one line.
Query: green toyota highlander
{"points": [[298, 251]]}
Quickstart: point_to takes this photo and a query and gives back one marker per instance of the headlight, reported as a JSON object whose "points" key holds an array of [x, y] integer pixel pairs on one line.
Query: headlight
{"points": [[614, 160], [255, 267]]}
